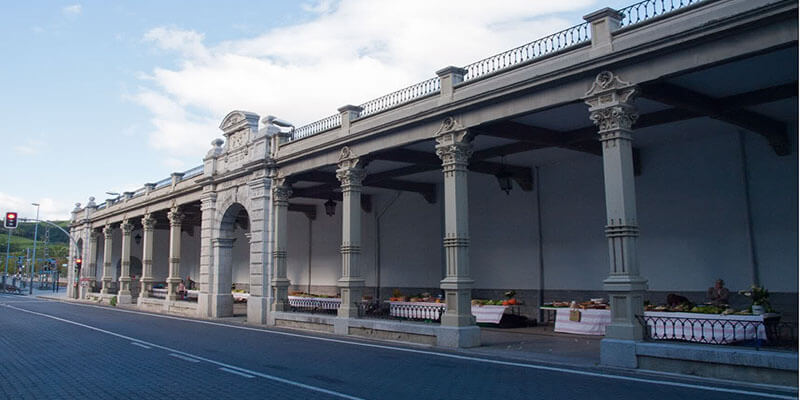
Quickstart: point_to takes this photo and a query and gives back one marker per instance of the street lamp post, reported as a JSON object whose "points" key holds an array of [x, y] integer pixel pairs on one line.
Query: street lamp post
{"points": [[35, 237], [8, 253]]}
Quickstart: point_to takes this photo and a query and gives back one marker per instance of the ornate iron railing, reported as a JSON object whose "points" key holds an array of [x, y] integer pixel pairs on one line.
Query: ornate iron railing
{"points": [[401, 96], [649, 9], [402, 311], [541, 47], [318, 126], [766, 332]]}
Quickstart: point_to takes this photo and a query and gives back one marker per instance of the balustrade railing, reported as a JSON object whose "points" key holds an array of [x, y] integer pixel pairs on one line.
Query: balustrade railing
{"points": [[765, 332], [549, 44], [649, 9], [314, 305], [403, 311], [401, 96], [318, 126]]}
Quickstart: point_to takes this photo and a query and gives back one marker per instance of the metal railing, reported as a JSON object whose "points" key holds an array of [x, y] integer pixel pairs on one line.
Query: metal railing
{"points": [[541, 47], [649, 9], [412, 312], [768, 332], [314, 305], [192, 172], [401, 96], [322, 125]]}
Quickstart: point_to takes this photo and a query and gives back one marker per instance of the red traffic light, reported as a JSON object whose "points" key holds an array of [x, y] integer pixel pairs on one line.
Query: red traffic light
{"points": [[11, 220], [78, 262]]}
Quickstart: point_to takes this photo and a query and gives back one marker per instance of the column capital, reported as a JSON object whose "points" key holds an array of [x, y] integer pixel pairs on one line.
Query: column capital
{"points": [[108, 231], [175, 216], [453, 143], [208, 200], [281, 191], [610, 101], [148, 222], [94, 235], [351, 171], [126, 227]]}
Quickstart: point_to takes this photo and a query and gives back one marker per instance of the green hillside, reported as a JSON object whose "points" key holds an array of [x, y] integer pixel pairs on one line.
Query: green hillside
{"points": [[22, 245]]}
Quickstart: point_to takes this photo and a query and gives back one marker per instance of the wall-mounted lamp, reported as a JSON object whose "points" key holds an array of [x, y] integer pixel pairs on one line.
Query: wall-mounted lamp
{"points": [[138, 238], [330, 207], [504, 178]]}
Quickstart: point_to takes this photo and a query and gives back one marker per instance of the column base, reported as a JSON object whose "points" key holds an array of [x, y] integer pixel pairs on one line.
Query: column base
{"points": [[257, 309], [350, 295], [458, 337], [618, 353], [221, 305], [124, 297], [204, 305]]}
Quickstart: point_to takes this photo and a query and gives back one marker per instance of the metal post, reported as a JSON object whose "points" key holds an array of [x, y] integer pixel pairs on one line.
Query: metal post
{"points": [[35, 238], [8, 253]]}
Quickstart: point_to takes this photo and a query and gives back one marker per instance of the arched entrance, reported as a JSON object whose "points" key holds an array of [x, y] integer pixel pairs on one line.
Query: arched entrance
{"points": [[232, 254]]}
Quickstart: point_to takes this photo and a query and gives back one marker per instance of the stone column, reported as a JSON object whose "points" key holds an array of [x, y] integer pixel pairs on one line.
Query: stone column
{"points": [[107, 248], [124, 295], [91, 263], [175, 220], [148, 231], [350, 173], [206, 280], [280, 283], [454, 147], [611, 108], [221, 298], [257, 304]]}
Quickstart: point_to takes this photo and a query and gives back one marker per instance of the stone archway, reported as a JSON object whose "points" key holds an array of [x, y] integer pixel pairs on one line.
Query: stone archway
{"points": [[231, 250]]}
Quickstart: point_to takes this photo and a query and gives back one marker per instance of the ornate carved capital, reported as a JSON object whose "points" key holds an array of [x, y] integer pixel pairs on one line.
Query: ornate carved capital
{"points": [[148, 222], [453, 143], [610, 101], [175, 216], [108, 232], [126, 227], [350, 172], [281, 192], [94, 235]]}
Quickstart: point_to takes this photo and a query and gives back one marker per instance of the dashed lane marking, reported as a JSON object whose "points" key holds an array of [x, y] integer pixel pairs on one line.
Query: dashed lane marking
{"points": [[141, 345], [244, 371], [189, 359]]}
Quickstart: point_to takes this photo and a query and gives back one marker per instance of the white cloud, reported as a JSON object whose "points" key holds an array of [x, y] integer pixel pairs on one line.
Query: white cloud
{"points": [[31, 147], [73, 9], [49, 209], [351, 52]]}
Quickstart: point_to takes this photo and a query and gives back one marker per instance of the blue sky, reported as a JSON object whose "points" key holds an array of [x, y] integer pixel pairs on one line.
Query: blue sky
{"points": [[100, 96]]}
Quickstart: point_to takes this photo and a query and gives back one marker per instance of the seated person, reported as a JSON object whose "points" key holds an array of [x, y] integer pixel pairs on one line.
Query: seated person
{"points": [[181, 290], [718, 294]]}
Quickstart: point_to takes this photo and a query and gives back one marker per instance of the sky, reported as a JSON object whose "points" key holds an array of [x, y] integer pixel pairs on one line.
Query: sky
{"points": [[104, 96]]}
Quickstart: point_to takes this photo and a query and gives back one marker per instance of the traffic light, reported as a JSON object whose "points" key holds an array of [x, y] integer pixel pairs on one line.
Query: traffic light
{"points": [[11, 220], [78, 262]]}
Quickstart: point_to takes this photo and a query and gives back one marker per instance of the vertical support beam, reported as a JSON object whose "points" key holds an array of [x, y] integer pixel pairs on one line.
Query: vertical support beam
{"points": [[91, 267], [208, 208], [148, 231], [610, 102], [454, 147], [257, 305], [281, 192], [175, 220], [107, 248], [124, 296], [350, 173], [221, 298]]}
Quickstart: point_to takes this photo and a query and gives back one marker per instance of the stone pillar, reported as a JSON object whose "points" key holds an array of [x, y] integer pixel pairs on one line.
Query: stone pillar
{"points": [[610, 106], [348, 113], [91, 263], [107, 248], [604, 23], [449, 77], [257, 305], [175, 220], [454, 147], [221, 298], [206, 280], [350, 173], [148, 232], [280, 283], [124, 295]]}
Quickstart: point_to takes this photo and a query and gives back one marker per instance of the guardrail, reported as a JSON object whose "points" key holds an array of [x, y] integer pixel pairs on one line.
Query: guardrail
{"points": [[322, 125], [649, 9], [413, 312], [767, 332]]}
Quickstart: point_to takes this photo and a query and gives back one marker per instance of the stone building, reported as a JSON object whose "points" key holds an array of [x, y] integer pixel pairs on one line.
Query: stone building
{"points": [[646, 151]]}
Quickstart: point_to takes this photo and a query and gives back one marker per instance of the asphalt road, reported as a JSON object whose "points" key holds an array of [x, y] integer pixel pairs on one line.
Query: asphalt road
{"points": [[56, 350]]}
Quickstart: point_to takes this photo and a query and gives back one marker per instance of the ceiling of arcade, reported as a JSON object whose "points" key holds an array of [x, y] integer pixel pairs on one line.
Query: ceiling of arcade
{"points": [[757, 94]]}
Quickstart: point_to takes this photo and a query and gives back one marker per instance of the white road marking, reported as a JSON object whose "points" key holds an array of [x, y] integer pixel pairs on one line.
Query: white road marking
{"points": [[217, 363], [236, 373], [140, 345], [465, 358], [194, 360]]}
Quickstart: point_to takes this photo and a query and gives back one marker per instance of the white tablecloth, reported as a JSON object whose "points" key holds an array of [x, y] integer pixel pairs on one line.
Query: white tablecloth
{"points": [[425, 310], [693, 327]]}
